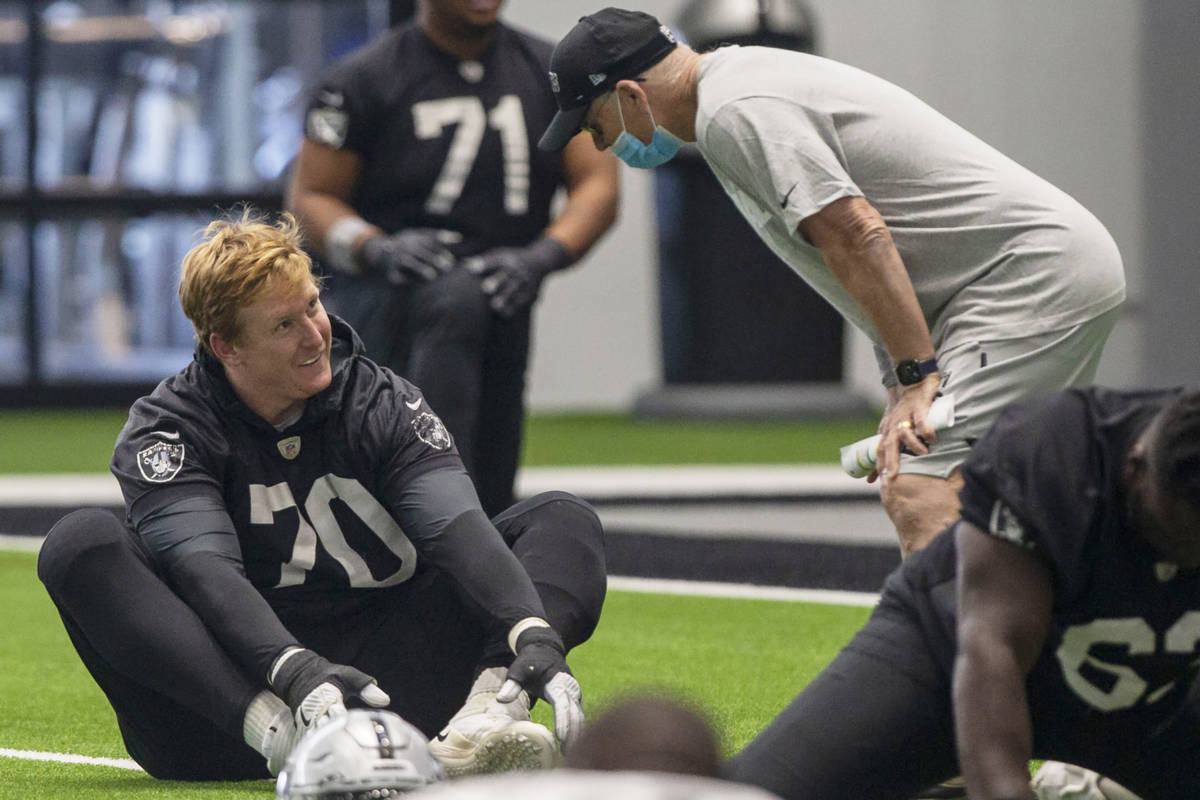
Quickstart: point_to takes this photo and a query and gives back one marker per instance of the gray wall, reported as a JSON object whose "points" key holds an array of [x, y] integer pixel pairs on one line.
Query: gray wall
{"points": [[1171, 103], [1057, 85]]}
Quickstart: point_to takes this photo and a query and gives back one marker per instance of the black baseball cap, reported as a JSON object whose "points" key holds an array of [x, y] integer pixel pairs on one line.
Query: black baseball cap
{"points": [[611, 45]]}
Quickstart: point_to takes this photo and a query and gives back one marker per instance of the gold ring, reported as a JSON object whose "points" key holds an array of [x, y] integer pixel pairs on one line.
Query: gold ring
{"points": [[904, 424]]}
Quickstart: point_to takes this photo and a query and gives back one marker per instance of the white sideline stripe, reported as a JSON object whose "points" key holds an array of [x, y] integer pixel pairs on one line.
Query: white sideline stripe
{"points": [[741, 590], [70, 758], [97, 489], [694, 480], [24, 544], [691, 480]]}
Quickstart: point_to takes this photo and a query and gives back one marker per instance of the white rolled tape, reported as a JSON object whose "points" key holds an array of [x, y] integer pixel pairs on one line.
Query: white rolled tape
{"points": [[859, 458]]}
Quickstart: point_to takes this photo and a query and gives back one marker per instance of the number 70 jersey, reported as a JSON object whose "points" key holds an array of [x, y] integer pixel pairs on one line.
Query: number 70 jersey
{"points": [[346, 496], [445, 143]]}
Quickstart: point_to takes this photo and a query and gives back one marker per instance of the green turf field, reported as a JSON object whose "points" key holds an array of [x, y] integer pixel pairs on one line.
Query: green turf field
{"points": [[82, 440], [740, 659]]}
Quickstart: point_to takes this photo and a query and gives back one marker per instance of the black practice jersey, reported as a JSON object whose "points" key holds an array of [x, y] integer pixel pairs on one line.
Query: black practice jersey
{"points": [[445, 143], [345, 497], [1123, 640]]}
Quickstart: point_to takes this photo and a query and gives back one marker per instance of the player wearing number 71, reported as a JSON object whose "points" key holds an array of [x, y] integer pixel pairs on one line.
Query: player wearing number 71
{"points": [[300, 535], [420, 186], [1058, 619]]}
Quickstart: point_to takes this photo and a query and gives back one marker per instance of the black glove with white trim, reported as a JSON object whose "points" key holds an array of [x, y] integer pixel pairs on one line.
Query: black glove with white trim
{"points": [[414, 255], [540, 668], [315, 688], [512, 276]]}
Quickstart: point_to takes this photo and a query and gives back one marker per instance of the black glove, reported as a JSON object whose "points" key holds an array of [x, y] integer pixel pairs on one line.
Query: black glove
{"points": [[512, 276], [540, 668], [315, 689], [409, 256]]}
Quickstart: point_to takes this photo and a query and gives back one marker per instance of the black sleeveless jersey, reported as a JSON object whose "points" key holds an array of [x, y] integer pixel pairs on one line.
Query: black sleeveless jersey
{"points": [[346, 497], [1124, 638], [444, 143]]}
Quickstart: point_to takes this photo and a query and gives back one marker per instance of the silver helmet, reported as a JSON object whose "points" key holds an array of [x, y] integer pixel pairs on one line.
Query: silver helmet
{"points": [[360, 755]]}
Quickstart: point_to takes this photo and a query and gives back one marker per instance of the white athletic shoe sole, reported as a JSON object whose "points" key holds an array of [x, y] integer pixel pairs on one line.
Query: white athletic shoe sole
{"points": [[512, 746]]}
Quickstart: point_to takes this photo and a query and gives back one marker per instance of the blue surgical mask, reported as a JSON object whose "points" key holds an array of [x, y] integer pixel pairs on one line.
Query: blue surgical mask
{"points": [[634, 152]]}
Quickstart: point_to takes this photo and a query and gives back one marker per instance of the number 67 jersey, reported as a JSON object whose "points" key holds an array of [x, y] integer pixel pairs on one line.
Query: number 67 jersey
{"points": [[1124, 637], [445, 143], [345, 496]]}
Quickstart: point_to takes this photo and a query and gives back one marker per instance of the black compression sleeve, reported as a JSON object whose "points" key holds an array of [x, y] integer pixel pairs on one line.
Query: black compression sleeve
{"points": [[473, 553], [247, 627]]}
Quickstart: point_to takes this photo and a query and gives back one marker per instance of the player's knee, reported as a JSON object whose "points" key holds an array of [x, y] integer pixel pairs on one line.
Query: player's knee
{"points": [[564, 553], [565, 511], [72, 539]]}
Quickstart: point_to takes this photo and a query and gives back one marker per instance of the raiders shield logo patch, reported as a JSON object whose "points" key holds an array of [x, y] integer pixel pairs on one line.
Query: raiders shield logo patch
{"points": [[327, 126], [160, 462], [431, 431], [1005, 525], [289, 448]]}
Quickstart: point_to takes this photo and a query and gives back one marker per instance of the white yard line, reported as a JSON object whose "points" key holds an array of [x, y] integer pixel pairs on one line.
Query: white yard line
{"points": [[70, 758]]}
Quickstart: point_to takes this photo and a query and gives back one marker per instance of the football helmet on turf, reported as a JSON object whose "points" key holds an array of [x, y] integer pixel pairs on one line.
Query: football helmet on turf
{"points": [[364, 753]]}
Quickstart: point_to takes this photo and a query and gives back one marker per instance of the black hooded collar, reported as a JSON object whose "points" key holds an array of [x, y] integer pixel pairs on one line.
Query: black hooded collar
{"points": [[345, 346]]}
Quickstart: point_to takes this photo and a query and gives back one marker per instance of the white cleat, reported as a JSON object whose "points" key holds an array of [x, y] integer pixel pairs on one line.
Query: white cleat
{"points": [[482, 743], [487, 736], [1055, 780]]}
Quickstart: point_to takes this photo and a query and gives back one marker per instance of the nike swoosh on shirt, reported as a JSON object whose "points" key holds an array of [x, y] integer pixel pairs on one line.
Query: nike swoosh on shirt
{"points": [[165, 434], [783, 202], [413, 406]]}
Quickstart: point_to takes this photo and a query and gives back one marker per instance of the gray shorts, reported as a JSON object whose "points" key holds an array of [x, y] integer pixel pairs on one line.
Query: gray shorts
{"points": [[985, 376]]}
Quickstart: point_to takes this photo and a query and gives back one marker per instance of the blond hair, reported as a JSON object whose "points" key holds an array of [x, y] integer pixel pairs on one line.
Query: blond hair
{"points": [[234, 263]]}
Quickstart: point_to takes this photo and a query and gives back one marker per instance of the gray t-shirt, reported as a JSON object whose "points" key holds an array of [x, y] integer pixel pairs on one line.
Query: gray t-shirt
{"points": [[993, 251]]}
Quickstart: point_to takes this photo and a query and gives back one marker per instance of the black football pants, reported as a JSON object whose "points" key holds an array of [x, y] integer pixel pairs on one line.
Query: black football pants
{"points": [[180, 700], [468, 362], [873, 725]]}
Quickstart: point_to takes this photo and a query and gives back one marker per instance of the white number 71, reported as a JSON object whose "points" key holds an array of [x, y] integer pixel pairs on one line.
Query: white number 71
{"points": [[430, 117]]}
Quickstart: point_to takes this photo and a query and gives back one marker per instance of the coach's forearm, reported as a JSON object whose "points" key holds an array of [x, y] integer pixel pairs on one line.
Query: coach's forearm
{"points": [[857, 246]]}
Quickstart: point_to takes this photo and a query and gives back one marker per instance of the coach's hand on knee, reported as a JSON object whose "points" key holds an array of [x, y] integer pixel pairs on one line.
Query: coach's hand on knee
{"points": [[316, 689], [540, 668]]}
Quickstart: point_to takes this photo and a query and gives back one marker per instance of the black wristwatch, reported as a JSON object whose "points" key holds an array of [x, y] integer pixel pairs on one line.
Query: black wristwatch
{"points": [[913, 371]]}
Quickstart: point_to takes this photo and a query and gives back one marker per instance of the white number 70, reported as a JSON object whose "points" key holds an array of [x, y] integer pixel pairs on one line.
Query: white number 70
{"points": [[266, 500]]}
